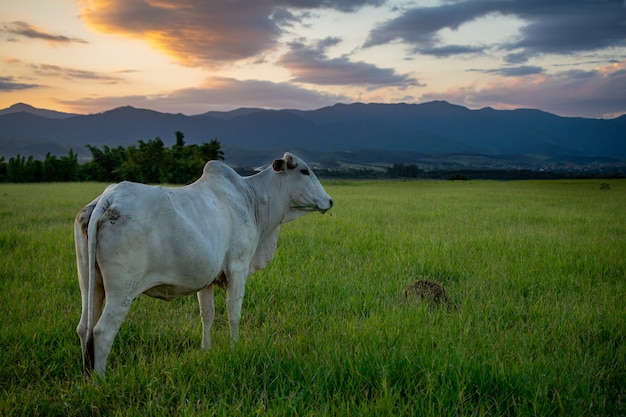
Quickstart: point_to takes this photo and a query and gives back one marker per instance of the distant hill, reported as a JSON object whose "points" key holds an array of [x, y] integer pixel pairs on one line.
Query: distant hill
{"points": [[22, 107], [431, 134]]}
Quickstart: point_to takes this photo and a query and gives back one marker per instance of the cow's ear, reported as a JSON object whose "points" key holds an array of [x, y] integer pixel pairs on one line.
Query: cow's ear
{"points": [[279, 165], [291, 164]]}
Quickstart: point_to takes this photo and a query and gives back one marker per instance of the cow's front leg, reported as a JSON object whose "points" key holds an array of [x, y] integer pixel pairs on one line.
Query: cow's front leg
{"points": [[234, 300], [207, 314]]}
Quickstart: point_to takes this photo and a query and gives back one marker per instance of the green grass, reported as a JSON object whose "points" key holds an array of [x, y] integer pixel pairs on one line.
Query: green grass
{"points": [[537, 270]]}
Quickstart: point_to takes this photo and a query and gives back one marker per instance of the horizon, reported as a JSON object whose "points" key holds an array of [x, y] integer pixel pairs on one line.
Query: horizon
{"points": [[288, 109], [562, 57], [485, 137]]}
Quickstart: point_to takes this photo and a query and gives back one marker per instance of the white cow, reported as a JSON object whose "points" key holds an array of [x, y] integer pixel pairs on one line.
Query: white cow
{"points": [[171, 242]]}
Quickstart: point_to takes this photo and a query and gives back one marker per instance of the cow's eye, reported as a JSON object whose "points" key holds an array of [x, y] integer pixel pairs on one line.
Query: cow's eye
{"points": [[304, 171]]}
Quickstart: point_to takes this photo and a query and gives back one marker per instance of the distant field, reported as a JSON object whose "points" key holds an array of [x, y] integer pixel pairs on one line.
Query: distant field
{"points": [[537, 270]]}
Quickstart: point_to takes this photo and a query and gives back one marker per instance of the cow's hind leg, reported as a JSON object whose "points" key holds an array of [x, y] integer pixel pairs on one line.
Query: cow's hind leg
{"points": [[106, 329], [207, 314], [85, 334]]}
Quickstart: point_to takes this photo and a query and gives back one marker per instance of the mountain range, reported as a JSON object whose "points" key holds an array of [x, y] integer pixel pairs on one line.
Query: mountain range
{"points": [[434, 134]]}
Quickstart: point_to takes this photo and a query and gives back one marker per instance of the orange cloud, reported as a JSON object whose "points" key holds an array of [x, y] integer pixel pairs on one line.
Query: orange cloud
{"points": [[194, 32], [201, 32], [608, 70]]}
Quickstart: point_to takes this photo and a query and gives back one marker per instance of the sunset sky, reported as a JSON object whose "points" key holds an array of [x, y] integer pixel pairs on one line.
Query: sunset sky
{"points": [[190, 56]]}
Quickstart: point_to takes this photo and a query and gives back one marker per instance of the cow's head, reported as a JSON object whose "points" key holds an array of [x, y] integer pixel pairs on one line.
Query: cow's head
{"points": [[304, 190]]}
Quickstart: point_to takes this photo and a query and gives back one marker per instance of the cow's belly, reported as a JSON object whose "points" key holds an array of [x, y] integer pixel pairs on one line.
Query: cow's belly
{"points": [[169, 292]]}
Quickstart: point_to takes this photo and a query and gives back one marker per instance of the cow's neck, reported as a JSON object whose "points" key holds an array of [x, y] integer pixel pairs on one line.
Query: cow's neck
{"points": [[268, 199]]}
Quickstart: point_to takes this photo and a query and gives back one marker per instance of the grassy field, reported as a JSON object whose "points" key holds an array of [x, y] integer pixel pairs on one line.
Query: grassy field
{"points": [[537, 270]]}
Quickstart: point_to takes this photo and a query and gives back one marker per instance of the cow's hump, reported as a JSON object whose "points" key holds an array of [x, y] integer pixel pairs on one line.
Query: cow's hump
{"points": [[217, 171]]}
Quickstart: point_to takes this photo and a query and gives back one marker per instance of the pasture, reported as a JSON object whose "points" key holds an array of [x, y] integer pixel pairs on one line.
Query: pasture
{"points": [[537, 270]]}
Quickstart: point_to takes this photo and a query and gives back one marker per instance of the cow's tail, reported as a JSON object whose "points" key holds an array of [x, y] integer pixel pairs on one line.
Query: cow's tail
{"points": [[92, 241]]}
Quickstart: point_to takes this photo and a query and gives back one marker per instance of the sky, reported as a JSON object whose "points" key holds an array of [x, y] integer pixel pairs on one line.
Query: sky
{"points": [[566, 57]]}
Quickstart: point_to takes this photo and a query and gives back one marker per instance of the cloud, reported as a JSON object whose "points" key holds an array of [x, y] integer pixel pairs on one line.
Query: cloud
{"points": [[517, 57], [8, 84], [550, 27], [514, 71], [47, 70], [597, 93], [33, 32], [565, 26], [216, 94], [311, 65], [205, 33], [449, 50], [419, 27]]}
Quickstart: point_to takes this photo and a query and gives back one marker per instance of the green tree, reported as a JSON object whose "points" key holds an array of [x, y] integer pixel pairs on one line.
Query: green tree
{"points": [[211, 151], [188, 161], [3, 170], [181, 166], [20, 169], [105, 164], [49, 168], [65, 168], [148, 162], [403, 171]]}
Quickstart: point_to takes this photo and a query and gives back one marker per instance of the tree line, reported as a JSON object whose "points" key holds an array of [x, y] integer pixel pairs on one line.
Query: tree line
{"points": [[152, 162], [147, 162], [412, 172]]}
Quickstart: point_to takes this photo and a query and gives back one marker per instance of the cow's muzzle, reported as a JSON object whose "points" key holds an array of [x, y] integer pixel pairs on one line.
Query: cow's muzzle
{"points": [[324, 210]]}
